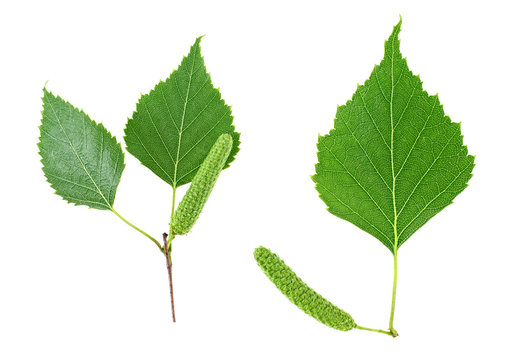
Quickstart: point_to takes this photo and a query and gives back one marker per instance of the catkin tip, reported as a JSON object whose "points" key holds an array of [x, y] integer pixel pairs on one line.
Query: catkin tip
{"points": [[226, 139], [197, 194]]}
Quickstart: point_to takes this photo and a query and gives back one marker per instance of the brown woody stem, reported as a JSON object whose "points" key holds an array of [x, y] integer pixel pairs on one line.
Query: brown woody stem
{"points": [[169, 269]]}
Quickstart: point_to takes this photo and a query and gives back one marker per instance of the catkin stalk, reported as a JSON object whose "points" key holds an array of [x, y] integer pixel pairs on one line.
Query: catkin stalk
{"points": [[301, 294], [193, 202]]}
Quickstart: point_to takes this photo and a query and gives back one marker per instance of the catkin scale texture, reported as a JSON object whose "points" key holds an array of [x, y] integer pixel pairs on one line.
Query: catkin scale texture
{"points": [[197, 194], [301, 294]]}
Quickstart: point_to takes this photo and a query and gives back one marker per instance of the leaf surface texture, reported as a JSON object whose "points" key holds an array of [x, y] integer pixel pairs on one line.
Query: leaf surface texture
{"points": [[393, 159], [177, 123], [81, 160]]}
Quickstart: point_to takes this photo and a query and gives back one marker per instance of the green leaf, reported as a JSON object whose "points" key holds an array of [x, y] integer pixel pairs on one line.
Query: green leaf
{"points": [[81, 160], [394, 159], [177, 123], [301, 294], [203, 182]]}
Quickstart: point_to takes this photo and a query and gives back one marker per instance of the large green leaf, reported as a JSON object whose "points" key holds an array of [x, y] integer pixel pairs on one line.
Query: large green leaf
{"points": [[394, 159], [81, 160], [177, 123]]}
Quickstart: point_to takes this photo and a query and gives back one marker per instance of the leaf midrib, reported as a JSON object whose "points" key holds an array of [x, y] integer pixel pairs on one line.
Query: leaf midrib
{"points": [[174, 183], [396, 174], [395, 223]]}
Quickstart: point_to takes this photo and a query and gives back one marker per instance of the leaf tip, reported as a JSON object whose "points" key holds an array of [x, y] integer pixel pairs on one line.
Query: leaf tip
{"points": [[45, 92], [197, 42], [392, 44], [396, 31]]}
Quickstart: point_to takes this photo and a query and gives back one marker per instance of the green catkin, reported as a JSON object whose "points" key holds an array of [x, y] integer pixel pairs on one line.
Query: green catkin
{"points": [[193, 202], [300, 294]]}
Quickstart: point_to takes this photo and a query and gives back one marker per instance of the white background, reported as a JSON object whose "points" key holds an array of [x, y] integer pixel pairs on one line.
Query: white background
{"points": [[77, 283]]}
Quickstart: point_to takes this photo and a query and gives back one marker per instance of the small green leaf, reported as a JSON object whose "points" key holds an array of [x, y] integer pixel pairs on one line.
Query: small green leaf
{"points": [[81, 160], [197, 194], [394, 159], [301, 294], [177, 123]]}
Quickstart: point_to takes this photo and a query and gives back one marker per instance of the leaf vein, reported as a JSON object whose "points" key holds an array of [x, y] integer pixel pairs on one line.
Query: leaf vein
{"points": [[424, 175], [355, 212], [372, 119], [435, 197], [417, 138], [358, 183]]}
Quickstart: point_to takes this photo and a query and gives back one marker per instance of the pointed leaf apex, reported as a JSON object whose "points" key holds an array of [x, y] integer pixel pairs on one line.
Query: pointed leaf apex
{"points": [[392, 45], [197, 42]]}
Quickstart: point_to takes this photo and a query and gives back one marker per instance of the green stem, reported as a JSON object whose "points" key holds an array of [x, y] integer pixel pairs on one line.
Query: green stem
{"points": [[170, 232], [137, 228], [374, 330], [393, 301]]}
